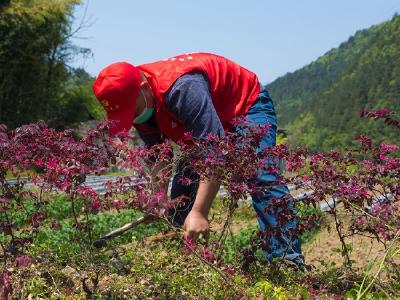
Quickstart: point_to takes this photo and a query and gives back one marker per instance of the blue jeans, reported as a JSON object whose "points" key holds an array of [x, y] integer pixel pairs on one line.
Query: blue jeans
{"points": [[282, 244], [280, 241]]}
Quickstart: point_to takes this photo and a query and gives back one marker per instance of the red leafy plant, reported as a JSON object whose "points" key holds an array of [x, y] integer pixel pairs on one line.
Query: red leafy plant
{"points": [[51, 160], [365, 180]]}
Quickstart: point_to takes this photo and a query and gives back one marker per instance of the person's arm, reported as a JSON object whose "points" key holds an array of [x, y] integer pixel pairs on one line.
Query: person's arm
{"points": [[190, 100], [160, 173], [196, 222], [158, 169]]}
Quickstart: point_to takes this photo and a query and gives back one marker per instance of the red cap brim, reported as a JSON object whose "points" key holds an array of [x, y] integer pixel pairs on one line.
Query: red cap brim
{"points": [[121, 121]]}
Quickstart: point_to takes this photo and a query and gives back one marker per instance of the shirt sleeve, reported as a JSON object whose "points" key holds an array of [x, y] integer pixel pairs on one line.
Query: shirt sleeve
{"points": [[190, 100]]}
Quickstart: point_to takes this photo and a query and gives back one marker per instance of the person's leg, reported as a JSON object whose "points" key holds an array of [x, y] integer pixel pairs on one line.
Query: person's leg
{"points": [[279, 240], [178, 215]]}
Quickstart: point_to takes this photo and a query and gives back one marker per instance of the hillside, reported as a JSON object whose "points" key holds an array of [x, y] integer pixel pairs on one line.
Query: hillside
{"points": [[318, 104]]}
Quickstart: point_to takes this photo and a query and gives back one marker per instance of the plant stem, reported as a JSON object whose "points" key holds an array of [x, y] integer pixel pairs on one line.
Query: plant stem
{"points": [[361, 292]]}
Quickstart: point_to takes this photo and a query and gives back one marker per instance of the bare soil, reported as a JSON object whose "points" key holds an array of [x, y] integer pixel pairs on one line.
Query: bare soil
{"points": [[326, 247]]}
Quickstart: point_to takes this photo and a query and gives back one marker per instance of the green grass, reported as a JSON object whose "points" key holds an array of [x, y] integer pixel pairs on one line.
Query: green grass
{"points": [[162, 270], [67, 243]]}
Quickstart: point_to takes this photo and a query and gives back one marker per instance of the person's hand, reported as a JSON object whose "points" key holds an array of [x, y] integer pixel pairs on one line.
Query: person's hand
{"points": [[196, 224]]}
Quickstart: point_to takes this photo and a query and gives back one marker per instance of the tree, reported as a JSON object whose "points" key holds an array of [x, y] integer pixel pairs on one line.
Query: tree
{"points": [[35, 49]]}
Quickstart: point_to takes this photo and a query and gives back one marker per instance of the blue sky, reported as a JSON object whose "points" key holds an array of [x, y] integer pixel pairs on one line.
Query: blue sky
{"points": [[270, 38]]}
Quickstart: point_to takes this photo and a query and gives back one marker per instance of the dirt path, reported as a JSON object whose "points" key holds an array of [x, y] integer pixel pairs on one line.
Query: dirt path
{"points": [[326, 246]]}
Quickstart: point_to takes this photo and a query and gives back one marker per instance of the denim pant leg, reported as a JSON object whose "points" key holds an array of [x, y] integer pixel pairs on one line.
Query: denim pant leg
{"points": [[178, 215], [285, 246]]}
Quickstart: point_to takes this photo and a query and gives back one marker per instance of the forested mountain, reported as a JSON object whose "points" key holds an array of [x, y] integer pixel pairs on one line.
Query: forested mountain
{"points": [[318, 104]]}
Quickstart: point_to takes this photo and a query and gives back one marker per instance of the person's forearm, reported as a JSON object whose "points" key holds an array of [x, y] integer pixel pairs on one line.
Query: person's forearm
{"points": [[205, 195], [160, 173]]}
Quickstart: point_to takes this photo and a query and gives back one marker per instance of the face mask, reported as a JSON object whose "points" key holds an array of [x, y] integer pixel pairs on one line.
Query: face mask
{"points": [[146, 114]]}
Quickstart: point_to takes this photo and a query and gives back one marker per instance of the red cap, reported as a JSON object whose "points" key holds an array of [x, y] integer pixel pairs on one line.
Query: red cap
{"points": [[116, 87]]}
